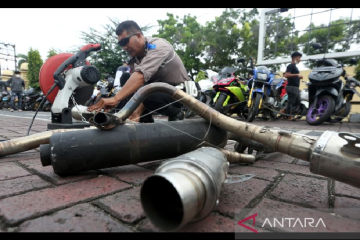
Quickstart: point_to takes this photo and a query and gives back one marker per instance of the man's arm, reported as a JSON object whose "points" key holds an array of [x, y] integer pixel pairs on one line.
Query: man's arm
{"points": [[135, 82]]}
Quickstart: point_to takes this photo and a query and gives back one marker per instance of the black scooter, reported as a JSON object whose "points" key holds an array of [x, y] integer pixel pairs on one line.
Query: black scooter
{"points": [[326, 91]]}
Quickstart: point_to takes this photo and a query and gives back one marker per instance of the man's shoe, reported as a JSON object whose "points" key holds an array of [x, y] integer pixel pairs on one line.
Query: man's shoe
{"points": [[282, 111], [11, 110], [20, 110], [290, 118], [180, 116]]}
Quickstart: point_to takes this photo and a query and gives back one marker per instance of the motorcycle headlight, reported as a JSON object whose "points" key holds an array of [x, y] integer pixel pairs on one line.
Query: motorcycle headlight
{"points": [[262, 76]]}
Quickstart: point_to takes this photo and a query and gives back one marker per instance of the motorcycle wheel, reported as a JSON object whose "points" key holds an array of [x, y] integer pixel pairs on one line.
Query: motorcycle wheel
{"points": [[344, 112], [219, 103], [6, 105], [325, 107], [46, 107], [254, 108]]}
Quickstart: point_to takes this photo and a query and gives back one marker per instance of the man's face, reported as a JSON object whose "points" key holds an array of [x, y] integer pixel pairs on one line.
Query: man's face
{"points": [[134, 46], [297, 59]]}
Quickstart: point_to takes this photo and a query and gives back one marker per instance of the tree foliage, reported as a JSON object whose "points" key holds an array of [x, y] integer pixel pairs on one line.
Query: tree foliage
{"points": [[35, 63], [111, 55], [51, 52], [357, 71], [23, 59], [336, 37], [186, 37]]}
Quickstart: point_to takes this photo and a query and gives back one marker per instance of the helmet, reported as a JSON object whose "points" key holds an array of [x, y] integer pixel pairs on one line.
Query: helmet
{"points": [[110, 82]]}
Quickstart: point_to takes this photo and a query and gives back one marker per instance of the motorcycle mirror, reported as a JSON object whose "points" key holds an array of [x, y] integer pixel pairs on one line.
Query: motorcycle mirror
{"points": [[316, 45]]}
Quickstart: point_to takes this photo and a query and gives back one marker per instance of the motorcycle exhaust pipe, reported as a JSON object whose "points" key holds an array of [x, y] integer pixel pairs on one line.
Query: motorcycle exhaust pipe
{"points": [[74, 152], [293, 144], [29, 142], [81, 110], [184, 189]]}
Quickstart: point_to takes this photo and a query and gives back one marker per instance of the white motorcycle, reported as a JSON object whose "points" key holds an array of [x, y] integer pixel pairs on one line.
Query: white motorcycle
{"points": [[304, 98]]}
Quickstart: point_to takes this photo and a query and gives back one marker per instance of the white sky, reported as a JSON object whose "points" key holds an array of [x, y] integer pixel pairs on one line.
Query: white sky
{"points": [[60, 28], [47, 28]]}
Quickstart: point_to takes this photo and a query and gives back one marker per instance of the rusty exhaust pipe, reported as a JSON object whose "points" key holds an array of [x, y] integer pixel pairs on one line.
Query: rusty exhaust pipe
{"points": [[29, 142], [336, 151]]}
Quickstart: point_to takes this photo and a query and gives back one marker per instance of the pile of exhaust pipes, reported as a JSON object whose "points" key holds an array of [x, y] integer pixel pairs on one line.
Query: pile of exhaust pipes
{"points": [[186, 187]]}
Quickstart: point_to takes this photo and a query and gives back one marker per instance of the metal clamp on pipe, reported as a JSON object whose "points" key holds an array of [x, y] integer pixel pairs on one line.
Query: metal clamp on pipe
{"points": [[184, 189]]}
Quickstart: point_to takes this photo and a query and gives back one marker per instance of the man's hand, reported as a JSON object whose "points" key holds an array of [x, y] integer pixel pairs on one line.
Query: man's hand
{"points": [[104, 103], [300, 76]]}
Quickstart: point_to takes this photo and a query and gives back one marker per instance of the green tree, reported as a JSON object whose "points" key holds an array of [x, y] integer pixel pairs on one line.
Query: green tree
{"points": [[357, 71], [336, 38], [186, 37], [23, 59], [236, 34], [111, 55], [221, 40], [51, 52], [35, 63], [200, 76]]}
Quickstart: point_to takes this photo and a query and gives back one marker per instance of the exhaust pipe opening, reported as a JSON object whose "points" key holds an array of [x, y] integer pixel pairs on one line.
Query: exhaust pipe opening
{"points": [[102, 119], [162, 203]]}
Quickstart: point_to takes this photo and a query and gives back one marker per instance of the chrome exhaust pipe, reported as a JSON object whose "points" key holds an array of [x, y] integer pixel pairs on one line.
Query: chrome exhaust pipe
{"points": [[81, 110], [293, 144], [184, 189]]}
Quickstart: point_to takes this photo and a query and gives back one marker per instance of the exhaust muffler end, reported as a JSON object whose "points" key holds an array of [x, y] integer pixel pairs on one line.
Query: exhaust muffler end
{"points": [[337, 156], [184, 189], [105, 121]]}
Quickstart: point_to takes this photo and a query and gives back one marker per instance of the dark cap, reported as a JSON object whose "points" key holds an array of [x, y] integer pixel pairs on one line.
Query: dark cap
{"points": [[17, 72], [296, 54]]}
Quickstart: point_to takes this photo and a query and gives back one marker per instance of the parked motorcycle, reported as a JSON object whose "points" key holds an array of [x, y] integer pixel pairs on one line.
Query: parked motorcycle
{"points": [[328, 95], [5, 99], [29, 99], [206, 94], [37, 102], [46, 106], [264, 88], [230, 91], [302, 109], [348, 93]]}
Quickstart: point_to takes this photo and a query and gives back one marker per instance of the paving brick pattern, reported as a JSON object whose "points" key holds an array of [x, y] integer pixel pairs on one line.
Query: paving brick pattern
{"points": [[34, 199]]}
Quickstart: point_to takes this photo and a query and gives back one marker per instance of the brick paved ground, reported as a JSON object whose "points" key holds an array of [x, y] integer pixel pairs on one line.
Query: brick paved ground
{"points": [[34, 199]]}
